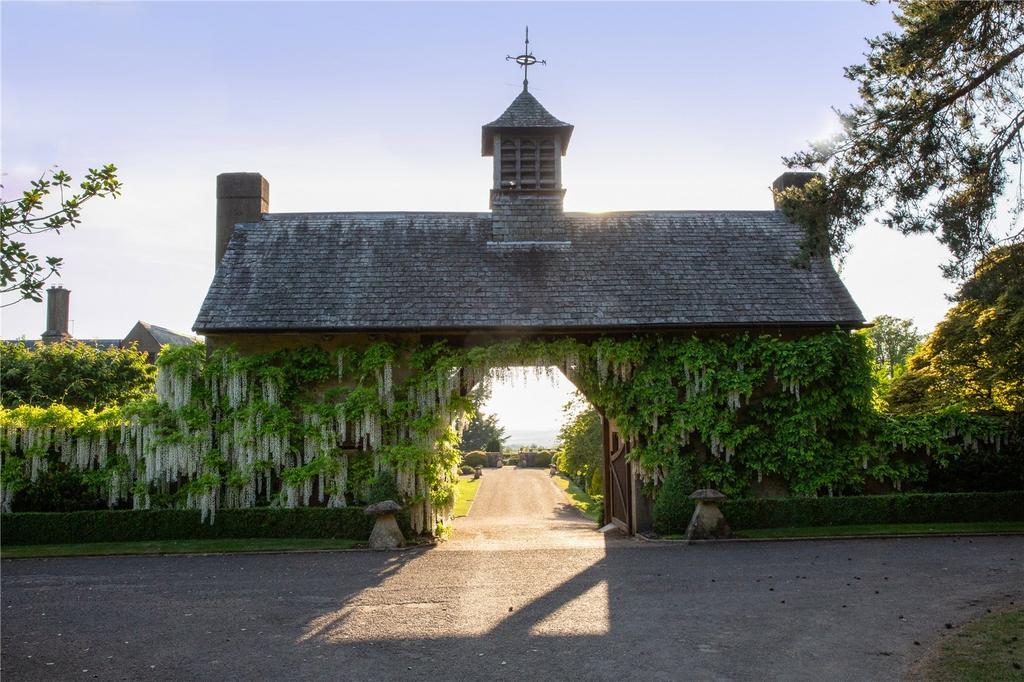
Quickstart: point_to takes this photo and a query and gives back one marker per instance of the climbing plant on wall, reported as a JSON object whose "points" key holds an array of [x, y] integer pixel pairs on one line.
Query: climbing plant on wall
{"points": [[312, 426]]}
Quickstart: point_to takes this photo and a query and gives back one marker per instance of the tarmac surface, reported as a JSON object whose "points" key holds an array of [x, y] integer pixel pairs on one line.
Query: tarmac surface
{"points": [[526, 590]]}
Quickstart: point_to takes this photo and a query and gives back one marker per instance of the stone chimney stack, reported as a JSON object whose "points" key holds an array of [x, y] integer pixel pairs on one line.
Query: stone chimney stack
{"points": [[791, 179], [58, 310], [241, 198]]}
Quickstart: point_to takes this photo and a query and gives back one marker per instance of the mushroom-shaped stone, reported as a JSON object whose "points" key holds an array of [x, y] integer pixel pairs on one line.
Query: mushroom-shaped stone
{"points": [[707, 495], [385, 534], [707, 521]]}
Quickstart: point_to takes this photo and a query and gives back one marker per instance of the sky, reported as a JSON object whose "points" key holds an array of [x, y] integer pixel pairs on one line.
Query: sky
{"points": [[350, 106]]}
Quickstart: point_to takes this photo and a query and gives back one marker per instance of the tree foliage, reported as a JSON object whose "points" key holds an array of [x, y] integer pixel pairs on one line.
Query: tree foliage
{"points": [[72, 373], [482, 433], [975, 356], [936, 135], [581, 449], [34, 213], [893, 340]]}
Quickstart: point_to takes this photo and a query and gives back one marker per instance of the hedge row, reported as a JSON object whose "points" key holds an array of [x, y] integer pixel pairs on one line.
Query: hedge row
{"points": [[793, 512], [34, 528]]}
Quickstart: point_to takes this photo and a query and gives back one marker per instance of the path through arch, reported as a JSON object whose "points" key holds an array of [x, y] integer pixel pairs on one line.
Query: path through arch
{"points": [[522, 508]]}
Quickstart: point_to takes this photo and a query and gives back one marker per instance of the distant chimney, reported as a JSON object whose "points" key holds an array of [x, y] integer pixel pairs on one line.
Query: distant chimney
{"points": [[58, 309], [241, 198], [791, 179]]}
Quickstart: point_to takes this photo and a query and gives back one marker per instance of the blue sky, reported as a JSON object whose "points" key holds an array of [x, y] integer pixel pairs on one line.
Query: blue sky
{"points": [[346, 106]]}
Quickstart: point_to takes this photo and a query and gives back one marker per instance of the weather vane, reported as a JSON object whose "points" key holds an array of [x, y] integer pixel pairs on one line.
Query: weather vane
{"points": [[526, 60]]}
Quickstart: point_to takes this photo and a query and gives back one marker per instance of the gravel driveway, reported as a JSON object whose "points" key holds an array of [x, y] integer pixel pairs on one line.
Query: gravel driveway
{"points": [[554, 600]]}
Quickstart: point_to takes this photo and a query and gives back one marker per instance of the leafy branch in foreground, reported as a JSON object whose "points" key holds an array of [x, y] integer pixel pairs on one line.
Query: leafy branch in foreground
{"points": [[21, 270], [937, 135]]}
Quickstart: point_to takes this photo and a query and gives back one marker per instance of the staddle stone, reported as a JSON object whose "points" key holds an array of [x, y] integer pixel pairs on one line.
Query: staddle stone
{"points": [[385, 534], [707, 521]]}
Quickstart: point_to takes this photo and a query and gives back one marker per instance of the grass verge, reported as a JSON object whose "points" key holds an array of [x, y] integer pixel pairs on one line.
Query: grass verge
{"points": [[176, 547], [590, 505], [465, 494], [884, 529], [990, 648]]}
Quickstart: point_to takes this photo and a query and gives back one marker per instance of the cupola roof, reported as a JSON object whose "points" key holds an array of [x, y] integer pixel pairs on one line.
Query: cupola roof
{"points": [[525, 114]]}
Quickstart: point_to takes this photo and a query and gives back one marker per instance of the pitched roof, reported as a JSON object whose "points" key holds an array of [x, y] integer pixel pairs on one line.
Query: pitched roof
{"points": [[524, 112], [442, 271], [163, 335], [100, 344]]}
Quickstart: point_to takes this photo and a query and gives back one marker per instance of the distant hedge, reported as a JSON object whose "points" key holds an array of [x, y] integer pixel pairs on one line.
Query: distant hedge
{"points": [[476, 458], [34, 528], [872, 509]]}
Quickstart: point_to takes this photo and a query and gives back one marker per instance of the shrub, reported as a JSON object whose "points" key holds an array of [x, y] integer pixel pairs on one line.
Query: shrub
{"points": [[673, 506], [672, 511], [869, 509], [74, 374], [467, 471], [542, 458], [33, 528], [383, 487], [477, 458], [596, 486]]}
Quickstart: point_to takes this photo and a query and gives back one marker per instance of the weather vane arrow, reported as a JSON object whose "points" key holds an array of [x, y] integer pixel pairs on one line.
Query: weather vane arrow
{"points": [[526, 60]]}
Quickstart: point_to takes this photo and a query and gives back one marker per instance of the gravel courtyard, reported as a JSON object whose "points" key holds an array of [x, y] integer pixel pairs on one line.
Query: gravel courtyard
{"points": [[526, 590]]}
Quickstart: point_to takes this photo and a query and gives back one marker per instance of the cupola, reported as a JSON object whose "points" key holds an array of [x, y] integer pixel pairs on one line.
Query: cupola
{"points": [[527, 143]]}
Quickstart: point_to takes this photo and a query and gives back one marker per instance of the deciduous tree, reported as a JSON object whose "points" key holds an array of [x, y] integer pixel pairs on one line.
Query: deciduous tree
{"points": [[580, 442], [34, 213], [975, 356]]}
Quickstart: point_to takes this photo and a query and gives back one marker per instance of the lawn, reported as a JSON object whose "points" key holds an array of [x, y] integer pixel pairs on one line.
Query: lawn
{"points": [[590, 505], [177, 547], [465, 494], [990, 648], [883, 529]]}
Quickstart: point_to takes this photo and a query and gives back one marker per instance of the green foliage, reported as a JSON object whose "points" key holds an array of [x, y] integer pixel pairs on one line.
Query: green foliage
{"points": [[975, 356], [30, 528], [936, 134], [483, 432], [892, 340], [477, 458], [382, 487], [581, 452], [596, 486], [308, 426], [73, 374], [542, 458], [20, 269], [673, 507], [871, 509]]}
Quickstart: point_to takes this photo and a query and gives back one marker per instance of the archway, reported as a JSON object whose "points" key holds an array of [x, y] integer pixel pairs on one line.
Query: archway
{"points": [[535, 460]]}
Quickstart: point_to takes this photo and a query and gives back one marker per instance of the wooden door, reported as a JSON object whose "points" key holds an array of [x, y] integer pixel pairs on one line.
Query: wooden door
{"points": [[618, 479]]}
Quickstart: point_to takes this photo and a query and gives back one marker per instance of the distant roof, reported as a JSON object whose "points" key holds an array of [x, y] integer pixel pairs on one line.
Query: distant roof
{"points": [[524, 112], [102, 344], [441, 271], [163, 335]]}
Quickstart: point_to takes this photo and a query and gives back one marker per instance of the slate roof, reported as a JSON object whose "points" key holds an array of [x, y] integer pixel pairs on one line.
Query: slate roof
{"points": [[163, 335], [100, 344], [524, 112], [441, 271]]}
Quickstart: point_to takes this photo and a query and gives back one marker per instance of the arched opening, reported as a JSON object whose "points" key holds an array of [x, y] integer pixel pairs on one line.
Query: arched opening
{"points": [[533, 458]]}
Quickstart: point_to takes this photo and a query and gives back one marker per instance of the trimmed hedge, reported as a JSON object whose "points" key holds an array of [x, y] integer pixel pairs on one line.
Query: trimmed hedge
{"points": [[35, 528], [476, 458], [794, 512]]}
